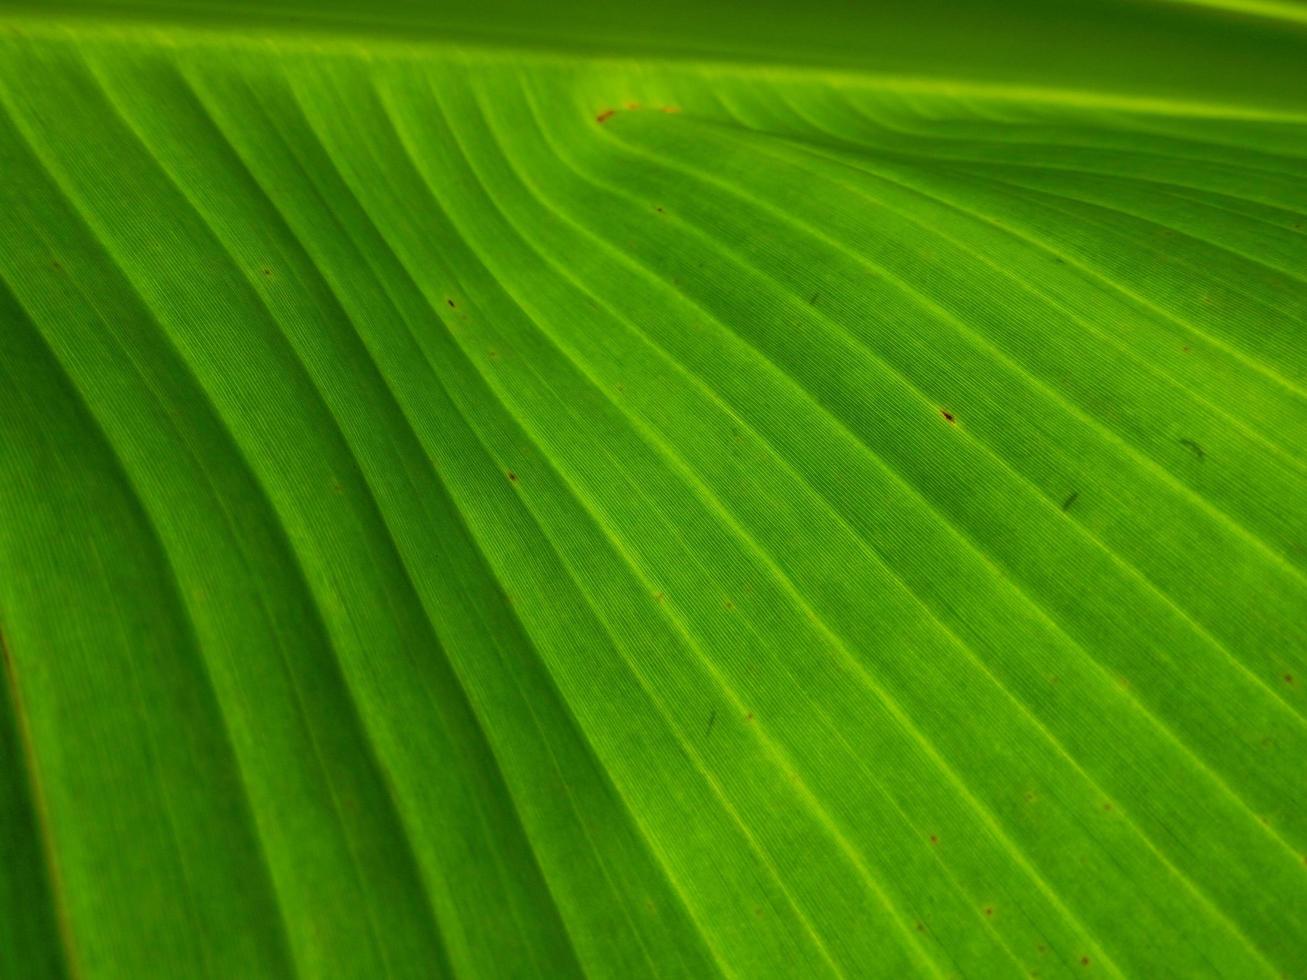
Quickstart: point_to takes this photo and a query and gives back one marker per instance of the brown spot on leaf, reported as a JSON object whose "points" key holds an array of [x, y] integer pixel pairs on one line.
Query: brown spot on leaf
{"points": [[633, 106], [451, 303], [934, 839], [671, 109], [604, 116], [749, 716], [1084, 961], [1288, 678], [989, 911], [512, 476], [948, 416]]}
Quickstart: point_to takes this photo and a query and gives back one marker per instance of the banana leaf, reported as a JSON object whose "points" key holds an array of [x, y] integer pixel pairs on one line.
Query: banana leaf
{"points": [[664, 489]]}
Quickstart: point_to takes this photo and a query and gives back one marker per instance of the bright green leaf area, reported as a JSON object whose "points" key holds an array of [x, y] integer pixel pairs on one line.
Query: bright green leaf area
{"points": [[503, 495]]}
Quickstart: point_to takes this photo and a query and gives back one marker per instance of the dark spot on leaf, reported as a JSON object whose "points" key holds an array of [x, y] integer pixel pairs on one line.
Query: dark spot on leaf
{"points": [[934, 839], [749, 716], [1066, 504], [1107, 807], [604, 116], [712, 720], [948, 416], [57, 266], [451, 303], [1084, 961], [813, 300], [921, 927], [1042, 948], [989, 910], [266, 271], [512, 476], [659, 209], [758, 912], [1186, 348], [1288, 678], [1194, 448]]}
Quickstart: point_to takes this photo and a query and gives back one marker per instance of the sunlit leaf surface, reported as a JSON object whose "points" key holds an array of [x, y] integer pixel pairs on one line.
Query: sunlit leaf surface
{"points": [[736, 492]]}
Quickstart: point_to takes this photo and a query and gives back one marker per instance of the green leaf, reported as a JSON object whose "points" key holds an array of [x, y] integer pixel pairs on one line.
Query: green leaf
{"points": [[672, 490]]}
